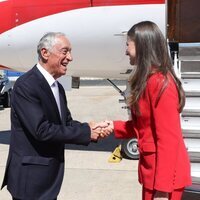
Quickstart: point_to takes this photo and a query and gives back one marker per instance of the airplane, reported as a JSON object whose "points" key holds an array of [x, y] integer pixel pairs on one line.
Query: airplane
{"points": [[96, 29]]}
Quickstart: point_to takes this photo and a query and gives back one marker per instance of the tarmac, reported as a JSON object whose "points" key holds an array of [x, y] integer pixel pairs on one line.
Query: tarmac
{"points": [[88, 174]]}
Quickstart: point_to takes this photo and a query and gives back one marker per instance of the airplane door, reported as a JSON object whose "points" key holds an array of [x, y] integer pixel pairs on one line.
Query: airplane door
{"points": [[183, 21]]}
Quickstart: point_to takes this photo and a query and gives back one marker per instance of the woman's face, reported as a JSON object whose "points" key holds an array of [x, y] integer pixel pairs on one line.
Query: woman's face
{"points": [[130, 50]]}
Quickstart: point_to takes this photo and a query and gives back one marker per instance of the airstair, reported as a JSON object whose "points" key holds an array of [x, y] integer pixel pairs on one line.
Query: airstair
{"points": [[189, 73]]}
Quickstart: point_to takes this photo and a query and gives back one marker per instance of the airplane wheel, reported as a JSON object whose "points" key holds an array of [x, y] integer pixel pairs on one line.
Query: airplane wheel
{"points": [[130, 148]]}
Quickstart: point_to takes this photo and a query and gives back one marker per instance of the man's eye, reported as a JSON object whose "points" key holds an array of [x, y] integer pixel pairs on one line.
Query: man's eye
{"points": [[64, 52]]}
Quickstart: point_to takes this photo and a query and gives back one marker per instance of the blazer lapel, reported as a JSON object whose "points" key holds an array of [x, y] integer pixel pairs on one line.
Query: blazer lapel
{"points": [[47, 90], [62, 105]]}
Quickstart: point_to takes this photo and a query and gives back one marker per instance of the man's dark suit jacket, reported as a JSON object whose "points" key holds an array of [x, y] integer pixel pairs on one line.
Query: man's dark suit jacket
{"points": [[35, 164]]}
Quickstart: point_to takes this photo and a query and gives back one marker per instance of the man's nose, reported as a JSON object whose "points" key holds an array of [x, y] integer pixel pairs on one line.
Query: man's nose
{"points": [[69, 56]]}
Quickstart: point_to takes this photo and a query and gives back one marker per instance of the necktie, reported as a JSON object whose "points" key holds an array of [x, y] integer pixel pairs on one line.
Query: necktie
{"points": [[55, 91]]}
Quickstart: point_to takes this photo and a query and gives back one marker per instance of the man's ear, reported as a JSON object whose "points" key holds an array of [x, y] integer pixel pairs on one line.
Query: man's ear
{"points": [[45, 53]]}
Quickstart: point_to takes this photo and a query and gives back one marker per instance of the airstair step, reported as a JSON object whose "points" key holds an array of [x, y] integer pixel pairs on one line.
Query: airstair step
{"points": [[190, 75], [190, 66], [190, 122], [195, 157], [191, 84], [192, 145], [188, 134], [189, 51], [192, 192], [195, 169], [192, 107], [192, 102], [192, 93], [191, 129], [196, 180], [195, 164], [191, 87], [191, 112]]}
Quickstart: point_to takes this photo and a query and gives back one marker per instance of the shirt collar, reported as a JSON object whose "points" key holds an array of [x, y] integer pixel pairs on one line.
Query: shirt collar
{"points": [[46, 75]]}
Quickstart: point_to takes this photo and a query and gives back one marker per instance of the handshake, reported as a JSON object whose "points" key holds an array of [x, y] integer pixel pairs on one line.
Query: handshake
{"points": [[101, 129]]}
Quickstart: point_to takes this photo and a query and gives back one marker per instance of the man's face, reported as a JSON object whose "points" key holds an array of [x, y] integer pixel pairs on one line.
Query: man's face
{"points": [[130, 50], [59, 57]]}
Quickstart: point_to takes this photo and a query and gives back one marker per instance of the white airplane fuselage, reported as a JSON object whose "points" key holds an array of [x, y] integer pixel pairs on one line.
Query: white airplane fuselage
{"points": [[97, 35]]}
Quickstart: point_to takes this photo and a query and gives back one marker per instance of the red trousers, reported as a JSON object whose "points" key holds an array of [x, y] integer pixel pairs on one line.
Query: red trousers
{"points": [[175, 195]]}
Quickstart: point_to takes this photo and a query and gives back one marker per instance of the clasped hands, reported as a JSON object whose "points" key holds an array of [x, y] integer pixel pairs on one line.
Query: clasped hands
{"points": [[101, 129]]}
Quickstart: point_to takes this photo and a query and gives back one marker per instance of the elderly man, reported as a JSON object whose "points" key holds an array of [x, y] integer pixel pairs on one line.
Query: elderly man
{"points": [[41, 124]]}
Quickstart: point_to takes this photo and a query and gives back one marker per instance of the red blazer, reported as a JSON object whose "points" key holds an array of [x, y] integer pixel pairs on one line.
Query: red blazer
{"points": [[164, 163]]}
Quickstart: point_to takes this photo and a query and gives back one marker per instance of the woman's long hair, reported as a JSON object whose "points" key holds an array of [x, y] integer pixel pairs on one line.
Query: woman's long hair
{"points": [[152, 55]]}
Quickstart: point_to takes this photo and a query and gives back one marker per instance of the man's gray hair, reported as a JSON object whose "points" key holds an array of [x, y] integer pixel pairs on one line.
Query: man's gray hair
{"points": [[47, 42]]}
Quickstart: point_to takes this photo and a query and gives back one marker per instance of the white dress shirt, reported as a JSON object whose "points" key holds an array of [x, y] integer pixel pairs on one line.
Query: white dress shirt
{"points": [[52, 83]]}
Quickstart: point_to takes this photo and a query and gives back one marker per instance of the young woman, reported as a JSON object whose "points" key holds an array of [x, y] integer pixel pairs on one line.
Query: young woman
{"points": [[156, 100]]}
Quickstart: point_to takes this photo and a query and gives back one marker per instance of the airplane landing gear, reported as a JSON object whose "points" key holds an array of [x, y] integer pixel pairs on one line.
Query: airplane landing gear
{"points": [[130, 148]]}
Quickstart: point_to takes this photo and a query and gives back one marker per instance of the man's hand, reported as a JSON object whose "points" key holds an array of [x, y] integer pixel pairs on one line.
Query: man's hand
{"points": [[100, 129]]}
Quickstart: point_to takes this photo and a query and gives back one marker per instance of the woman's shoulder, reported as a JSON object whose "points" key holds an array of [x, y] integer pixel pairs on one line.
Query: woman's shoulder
{"points": [[156, 80], [156, 77], [159, 84]]}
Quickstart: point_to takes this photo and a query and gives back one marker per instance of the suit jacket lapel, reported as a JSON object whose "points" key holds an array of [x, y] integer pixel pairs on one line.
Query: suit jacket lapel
{"points": [[62, 105], [46, 89]]}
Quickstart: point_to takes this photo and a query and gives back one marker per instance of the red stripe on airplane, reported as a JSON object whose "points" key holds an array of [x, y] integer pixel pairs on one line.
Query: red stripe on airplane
{"points": [[125, 2], [17, 12], [4, 68]]}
